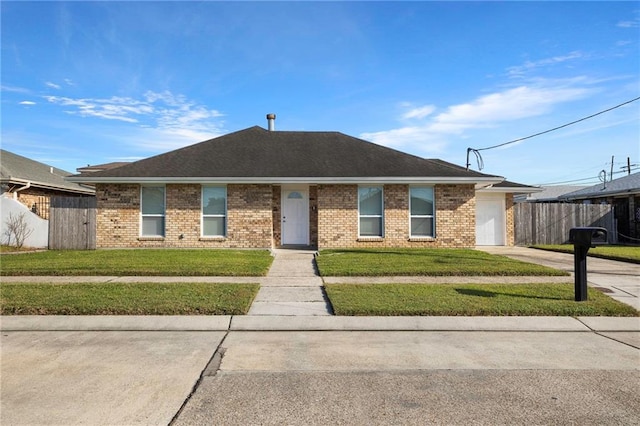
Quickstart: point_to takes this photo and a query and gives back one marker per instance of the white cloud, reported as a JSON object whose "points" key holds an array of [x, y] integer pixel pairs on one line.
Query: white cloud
{"points": [[52, 85], [27, 103], [512, 104], [486, 111], [419, 112], [629, 24], [520, 70], [14, 89], [164, 120]]}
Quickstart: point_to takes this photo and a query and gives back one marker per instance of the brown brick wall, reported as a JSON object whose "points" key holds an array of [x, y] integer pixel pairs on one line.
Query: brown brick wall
{"points": [[37, 199], [509, 219], [276, 206], [249, 217], [313, 216], [117, 215], [455, 215], [338, 217], [253, 217]]}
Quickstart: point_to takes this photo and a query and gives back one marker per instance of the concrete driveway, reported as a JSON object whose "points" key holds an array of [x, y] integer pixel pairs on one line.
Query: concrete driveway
{"points": [[621, 280]]}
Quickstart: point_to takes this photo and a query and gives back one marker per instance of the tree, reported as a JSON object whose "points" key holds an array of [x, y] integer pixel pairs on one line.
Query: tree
{"points": [[18, 229]]}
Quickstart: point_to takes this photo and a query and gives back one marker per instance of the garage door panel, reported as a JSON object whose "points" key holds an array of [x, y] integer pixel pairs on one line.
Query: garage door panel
{"points": [[490, 222]]}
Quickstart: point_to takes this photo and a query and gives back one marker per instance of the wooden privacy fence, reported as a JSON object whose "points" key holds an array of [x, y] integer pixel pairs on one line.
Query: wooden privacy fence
{"points": [[72, 223], [549, 223]]}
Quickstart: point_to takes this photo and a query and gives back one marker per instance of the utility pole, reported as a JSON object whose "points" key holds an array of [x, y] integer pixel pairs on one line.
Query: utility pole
{"points": [[628, 165], [611, 175]]}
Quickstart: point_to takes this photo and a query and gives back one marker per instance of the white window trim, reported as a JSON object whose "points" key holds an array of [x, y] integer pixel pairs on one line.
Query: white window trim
{"points": [[422, 216], [202, 215], [381, 216], [163, 215]]}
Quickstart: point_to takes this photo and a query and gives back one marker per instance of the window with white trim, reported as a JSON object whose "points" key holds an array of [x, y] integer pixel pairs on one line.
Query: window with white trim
{"points": [[421, 206], [152, 201], [214, 211], [370, 211]]}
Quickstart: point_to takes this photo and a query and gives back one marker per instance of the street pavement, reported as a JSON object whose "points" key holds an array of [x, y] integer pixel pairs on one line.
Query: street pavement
{"points": [[274, 368]]}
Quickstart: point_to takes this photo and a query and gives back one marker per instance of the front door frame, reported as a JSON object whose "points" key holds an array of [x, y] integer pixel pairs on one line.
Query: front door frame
{"points": [[287, 235]]}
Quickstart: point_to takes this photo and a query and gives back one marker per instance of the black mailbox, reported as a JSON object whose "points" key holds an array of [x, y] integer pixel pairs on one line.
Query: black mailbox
{"points": [[583, 239]]}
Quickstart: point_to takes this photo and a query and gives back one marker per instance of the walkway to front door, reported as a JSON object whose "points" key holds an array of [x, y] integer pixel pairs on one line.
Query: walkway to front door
{"points": [[292, 287]]}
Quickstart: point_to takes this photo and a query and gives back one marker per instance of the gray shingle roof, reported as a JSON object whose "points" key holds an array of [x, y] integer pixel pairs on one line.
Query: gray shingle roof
{"points": [[629, 184], [259, 153], [17, 169], [553, 193]]}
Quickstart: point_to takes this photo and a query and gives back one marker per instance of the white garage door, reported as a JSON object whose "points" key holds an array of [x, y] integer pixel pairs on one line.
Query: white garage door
{"points": [[490, 220]]}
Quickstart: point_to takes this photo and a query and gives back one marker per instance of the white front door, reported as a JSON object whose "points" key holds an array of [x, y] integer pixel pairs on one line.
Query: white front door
{"points": [[490, 221], [295, 216]]}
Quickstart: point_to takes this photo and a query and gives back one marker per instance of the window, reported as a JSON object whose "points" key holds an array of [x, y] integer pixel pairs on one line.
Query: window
{"points": [[421, 206], [370, 208], [214, 211], [152, 211]]}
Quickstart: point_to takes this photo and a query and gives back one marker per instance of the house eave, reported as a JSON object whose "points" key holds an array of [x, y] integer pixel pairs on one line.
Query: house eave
{"points": [[511, 190], [410, 180], [42, 185]]}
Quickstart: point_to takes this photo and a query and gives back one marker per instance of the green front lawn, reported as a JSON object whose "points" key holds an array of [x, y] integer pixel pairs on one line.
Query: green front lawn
{"points": [[424, 262], [126, 299], [622, 253], [470, 300], [142, 262]]}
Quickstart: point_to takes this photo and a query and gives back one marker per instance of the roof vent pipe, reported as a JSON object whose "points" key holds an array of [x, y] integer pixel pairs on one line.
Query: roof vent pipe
{"points": [[271, 120]]}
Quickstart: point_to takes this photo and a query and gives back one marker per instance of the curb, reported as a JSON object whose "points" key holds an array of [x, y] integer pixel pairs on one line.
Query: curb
{"points": [[315, 323]]}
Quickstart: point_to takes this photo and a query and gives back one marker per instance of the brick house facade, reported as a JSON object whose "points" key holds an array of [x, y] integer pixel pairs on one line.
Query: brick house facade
{"points": [[262, 189], [254, 217]]}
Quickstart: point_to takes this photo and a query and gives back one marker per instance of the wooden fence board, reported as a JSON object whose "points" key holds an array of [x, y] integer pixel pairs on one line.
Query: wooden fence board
{"points": [[72, 223], [549, 223]]}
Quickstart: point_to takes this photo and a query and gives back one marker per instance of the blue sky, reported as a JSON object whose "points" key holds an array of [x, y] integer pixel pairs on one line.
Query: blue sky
{"points": [[95, 82]]}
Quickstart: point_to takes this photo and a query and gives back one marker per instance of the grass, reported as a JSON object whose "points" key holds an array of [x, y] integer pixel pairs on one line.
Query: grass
{"points": [[470, 300], [126, 299], [13, 249], [622, 253], [424, 262], [143, 262]]}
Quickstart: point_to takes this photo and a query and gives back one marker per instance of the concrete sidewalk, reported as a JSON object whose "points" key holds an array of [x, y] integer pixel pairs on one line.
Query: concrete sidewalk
{"points": [[292, 287], [314, 323]]}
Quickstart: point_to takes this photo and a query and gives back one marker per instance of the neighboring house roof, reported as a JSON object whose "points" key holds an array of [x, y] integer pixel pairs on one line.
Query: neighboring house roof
{"points": [[100, 167], [511, 187], [18, 170], [549, 193], [627, 185], [259, 155]]}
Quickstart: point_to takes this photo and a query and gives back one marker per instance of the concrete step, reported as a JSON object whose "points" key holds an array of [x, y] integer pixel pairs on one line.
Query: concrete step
{"points": [[290, 309]]}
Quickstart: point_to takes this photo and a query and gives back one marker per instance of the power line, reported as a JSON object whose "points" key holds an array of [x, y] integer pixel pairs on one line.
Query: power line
{"points": [[476, 151], [584, 179]]}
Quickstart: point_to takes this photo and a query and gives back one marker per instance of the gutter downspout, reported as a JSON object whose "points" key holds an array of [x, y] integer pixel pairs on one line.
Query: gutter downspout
{"points": [[15, 191]]}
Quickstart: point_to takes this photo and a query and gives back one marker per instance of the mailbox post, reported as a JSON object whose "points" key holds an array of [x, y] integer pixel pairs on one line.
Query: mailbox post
{"points": [[583, 239]]}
